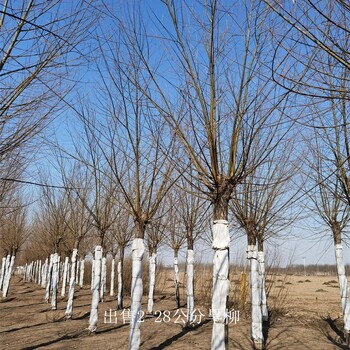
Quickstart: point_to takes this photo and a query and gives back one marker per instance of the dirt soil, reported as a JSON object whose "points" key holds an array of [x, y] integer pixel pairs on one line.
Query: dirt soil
{"points": [[305, 315]]}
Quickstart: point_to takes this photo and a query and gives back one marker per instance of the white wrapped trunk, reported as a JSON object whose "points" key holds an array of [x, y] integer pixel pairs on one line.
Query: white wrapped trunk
{"points": [[82, 270], [256, 330], [221, 283], [3, 270], [136, 293], [64, 277], [103, 279], [55, 277], [92, 273], [176, 280], [44, 273], [152, 281], [77, 270], [69, 308], [95, 290], [343, 286], [262, 285], [189, 289], [39, 272], [7, 279], [120, 286], [49, 280], [111, 289]]}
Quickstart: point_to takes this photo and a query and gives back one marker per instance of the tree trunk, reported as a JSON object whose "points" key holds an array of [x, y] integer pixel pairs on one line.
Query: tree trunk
{"points": [[3, 271], [103, 279], [39, 272], [136, 293], [343, 286], [262, 285], [55, 272], [120, 278], [64, 277], [82, 270], [95, 290], [221, 284], [92, 274], [176, 279], [44, 273], [190, 288], [111, 289], [152, 279], [256, 329], [48, 280], [8, 275], [69, 308]]}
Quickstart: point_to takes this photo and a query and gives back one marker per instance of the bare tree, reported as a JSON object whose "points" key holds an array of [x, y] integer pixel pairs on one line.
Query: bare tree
{"points": [[210, 87], [155, 235], [327, 196], [307, 35], [264, 206], [176, 237], [192, 212], [13, 235], [39, 48], [121, 234]]}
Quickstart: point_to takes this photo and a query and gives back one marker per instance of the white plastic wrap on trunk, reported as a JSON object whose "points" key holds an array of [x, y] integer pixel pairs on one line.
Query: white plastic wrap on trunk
{"points": [[82, 270], [69, 308], [3, 269], [7, 266], [45, 272], [77, 270], [136, 293], [8, 277], [189, 289], [55, 272], [111, 289], [95, 289], [64, 277], [39, 272], [262, 286], [49, 280], [343, 286], [120, 285], [152, 281], [92, 274], [24, 274], [35, 276], [256, 331], [221, 284], [103, 279]]}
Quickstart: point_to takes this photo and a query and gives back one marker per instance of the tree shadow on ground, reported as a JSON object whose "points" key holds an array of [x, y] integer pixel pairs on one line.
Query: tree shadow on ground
{"points": [[337, 336], [75, 335], [179, 335]]}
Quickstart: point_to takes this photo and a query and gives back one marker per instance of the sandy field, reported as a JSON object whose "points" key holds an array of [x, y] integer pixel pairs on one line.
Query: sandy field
{"points": [[305, 314]]}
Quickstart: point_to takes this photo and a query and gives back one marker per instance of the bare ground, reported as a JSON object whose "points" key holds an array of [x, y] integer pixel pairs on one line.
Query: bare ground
{"points": [[305, 315]]}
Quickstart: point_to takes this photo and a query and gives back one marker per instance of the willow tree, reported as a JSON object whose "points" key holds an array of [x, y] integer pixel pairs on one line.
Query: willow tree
{"points": [[78, 219], [264, 206], [311, 60], [176, 237], [192, 212], [209, 85], [129, 139], [332, 211], [100, 203], [120, 237], [13, 234], [155, 236], [41, 44], [52, 220]]}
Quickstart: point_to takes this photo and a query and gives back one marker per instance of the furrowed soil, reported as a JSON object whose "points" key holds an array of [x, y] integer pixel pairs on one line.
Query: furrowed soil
{"points": [[305, 314]]}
